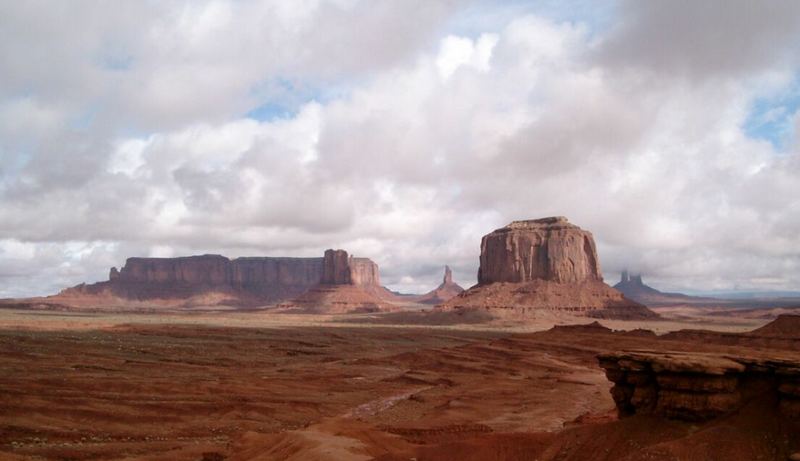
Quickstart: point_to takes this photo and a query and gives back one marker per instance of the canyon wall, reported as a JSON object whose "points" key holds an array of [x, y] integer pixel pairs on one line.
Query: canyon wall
{"points": [[700, 386]]}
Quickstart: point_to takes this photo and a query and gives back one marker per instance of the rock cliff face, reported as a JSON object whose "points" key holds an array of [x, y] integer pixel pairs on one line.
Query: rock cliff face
{"points": [[335, 268], [340, 269], [215, 280], [364, 272], [699, 386], [540, 249], [244, 281], [348, 284], [543, 265]]}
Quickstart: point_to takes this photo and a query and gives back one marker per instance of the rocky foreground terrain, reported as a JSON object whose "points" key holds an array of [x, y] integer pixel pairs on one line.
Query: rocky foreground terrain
{"points": [[209, 392]]}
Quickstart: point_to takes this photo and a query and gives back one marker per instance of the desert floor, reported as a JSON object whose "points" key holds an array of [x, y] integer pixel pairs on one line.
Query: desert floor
{"points": [[249, 385]]}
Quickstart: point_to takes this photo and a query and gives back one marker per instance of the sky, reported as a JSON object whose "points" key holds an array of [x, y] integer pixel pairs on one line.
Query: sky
{"points": [[402, 131]]}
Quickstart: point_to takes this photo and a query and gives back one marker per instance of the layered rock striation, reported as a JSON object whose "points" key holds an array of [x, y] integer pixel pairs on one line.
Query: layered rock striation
{"points": [[539, 249], [544, 265], [700, 386]]}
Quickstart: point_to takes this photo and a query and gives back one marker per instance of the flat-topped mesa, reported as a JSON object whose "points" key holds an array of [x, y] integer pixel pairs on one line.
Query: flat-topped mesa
{"points": [[207, 270], [549, 249], [219, 271], [241, 281], [543, 265]]}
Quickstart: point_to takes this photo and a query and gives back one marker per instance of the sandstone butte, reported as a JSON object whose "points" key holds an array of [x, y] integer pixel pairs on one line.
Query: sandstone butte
{"points": [[211, 280], [217, 280], [543, 265], [445, 291], [347, 285]]}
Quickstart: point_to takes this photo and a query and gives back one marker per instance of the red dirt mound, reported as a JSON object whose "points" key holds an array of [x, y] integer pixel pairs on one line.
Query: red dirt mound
{"points": [[785, 326]]}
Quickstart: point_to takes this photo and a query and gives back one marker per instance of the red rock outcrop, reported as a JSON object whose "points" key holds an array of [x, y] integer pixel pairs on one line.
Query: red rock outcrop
{"points": [[786, 326], [446, 290], [242, 281], [348, 284], [700, 386], [364, 272], [530, 267], [335, 268], [539, 249]]}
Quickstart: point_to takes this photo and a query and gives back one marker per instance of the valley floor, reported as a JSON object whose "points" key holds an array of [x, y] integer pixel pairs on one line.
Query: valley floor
{"points": [[238, 386]]}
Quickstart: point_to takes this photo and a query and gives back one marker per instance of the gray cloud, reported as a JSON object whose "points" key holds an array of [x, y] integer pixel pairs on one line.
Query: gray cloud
{"points": [[414, 146], [719, 38]]}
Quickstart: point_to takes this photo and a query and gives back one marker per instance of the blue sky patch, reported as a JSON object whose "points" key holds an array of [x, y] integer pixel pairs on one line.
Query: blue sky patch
{"points": [[271, 111], [491, 16], [771, 117], [282, 98]]}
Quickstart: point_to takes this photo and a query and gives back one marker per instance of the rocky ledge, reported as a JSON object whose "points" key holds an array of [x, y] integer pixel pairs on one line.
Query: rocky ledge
{"points": [[700, 386]]}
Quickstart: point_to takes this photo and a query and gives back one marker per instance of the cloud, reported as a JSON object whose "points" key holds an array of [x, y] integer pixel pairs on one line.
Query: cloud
{"points": [[719, 38], [405, 140]]}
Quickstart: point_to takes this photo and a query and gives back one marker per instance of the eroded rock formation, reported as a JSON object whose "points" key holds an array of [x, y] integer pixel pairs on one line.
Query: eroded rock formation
{"points": [[634, 288], [445, 291], [217, 280], [335, 268], [364, 272], [534, 266], [700, 386], [242, 281], [539, 249], [348, 284]]}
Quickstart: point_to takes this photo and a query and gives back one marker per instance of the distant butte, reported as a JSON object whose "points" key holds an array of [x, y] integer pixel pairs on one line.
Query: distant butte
{"points": [[445, 291], [197, 280], [633, 287], [214, 280], [543, 265], [347, 285]]}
